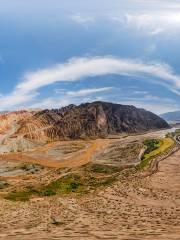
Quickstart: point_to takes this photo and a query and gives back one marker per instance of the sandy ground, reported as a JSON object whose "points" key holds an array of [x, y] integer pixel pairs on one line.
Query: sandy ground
{"points": [[132, 209]]}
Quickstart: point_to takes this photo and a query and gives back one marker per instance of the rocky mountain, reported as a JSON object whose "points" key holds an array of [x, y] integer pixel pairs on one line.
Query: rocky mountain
{"points": [[171, 116], [10, 141], [8, 119], [97, 119]]}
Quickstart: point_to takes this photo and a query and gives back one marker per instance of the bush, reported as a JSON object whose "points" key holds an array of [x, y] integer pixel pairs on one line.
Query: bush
{"points": [[151, 144]]}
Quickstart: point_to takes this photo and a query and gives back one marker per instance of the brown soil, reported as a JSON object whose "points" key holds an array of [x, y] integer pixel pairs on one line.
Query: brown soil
{"points": [[85, 150], [40, 155], [133, 208]]}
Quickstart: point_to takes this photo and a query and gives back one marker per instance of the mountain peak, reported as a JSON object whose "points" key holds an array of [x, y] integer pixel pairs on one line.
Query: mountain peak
{"points": [[96, 119]]}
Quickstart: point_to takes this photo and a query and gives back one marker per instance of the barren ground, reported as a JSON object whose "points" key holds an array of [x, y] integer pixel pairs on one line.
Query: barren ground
{"points": [[132, 208]]}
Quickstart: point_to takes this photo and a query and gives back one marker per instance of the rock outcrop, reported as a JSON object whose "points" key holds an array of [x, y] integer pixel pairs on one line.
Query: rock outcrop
{"points": [[90, 120], [10, 141], [7, 120]]}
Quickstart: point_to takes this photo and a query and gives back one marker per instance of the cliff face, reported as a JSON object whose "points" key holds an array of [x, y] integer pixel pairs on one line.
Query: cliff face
{"points": [[96, 119]]}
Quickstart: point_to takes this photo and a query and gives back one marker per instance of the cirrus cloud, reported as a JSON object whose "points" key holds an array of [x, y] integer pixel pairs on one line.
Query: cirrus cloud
{"points": [[152, 23], [78, 68], [82, 68]]}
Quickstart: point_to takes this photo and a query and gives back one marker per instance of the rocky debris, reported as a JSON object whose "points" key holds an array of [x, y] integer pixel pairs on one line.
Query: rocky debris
{"points": [[90, 120], [31, 168]]}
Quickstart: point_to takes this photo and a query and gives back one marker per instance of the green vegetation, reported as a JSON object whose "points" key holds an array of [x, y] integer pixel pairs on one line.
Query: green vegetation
{"points": [[75, 183], [47, 192], [89, 177], [19, 196], [155, 147], [69, 184], [65, 185], [99, 168], [163, 145], [151, 144], [143, 164]]}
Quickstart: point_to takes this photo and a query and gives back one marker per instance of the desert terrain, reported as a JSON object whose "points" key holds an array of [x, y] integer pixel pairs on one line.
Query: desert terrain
{"points": [[89, 120], [120, 202]]}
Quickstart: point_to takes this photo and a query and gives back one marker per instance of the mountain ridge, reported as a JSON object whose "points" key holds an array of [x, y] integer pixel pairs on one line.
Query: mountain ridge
{"points": [[171, 116], [96, 119]]}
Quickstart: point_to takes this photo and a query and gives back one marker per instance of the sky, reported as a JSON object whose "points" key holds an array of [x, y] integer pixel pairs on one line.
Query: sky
{"points": [[54, 53]]}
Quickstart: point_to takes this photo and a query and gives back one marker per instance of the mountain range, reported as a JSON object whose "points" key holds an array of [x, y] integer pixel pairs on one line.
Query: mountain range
{"points": [[97, 119], [171, 116], [25, 130]]}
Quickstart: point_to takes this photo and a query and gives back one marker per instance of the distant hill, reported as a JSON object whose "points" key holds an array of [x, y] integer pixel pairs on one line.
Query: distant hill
{"points": [[3, 112], [171, 116], [97, 119]]}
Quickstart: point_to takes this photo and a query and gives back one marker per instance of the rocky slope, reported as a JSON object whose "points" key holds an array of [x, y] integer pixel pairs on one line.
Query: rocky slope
{"points": [[7, 120], [97, 119], [10, 141]]}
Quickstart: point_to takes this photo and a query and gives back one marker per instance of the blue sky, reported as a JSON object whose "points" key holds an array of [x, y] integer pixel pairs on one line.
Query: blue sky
{"points": [[54, 53]]}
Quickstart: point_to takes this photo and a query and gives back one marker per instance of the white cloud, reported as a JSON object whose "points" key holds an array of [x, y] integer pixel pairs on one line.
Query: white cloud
{"points": [[81, 19], [83, 95], [141, 99], [156, 107], [153, 23], [79, 68], [85, 92], [51, 102], [148, 98], [14, 99], [139, 92], [154, 103]]}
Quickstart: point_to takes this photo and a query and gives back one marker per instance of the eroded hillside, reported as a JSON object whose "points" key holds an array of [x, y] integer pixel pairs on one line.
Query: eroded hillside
{"points": [[7, 120], [90, 120]]}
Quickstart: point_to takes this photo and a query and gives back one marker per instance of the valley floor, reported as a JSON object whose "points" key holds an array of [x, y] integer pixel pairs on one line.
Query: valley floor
{"points": [[133, 208]]}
